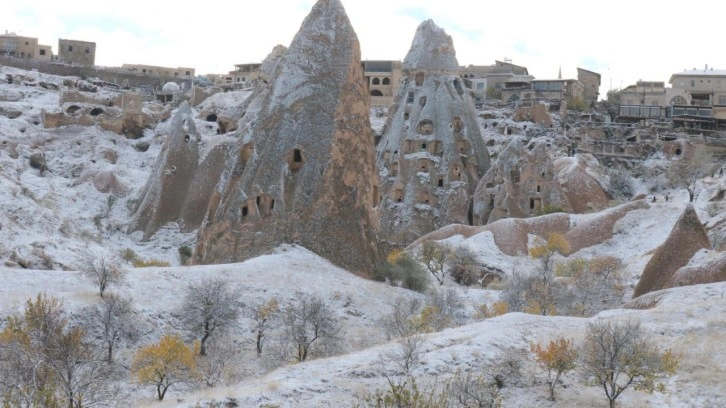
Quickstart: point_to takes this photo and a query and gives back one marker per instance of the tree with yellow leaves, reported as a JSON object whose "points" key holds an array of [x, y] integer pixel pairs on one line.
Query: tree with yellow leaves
{"points": [[263, 315], [557, 358], [165, 364], [620, 355]]}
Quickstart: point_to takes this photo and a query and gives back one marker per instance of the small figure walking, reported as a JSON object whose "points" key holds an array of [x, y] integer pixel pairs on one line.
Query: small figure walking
{"points": [[666, 197], [720, 172], [653, 198]]}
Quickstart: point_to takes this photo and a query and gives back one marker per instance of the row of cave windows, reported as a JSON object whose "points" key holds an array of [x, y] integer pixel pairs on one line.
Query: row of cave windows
{"points": [[426, 126], [424, 166], [75, 108], [379, 81]]}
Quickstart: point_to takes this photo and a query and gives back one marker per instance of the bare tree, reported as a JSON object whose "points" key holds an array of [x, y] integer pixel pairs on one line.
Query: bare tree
{"points": [[687, 170], [209, 306], [221, 364], [263, 315], [401, 321], [310, 327], [46, 363], [620, 355], [104, 271], [434, 256], [469, 391], [114, 319]]}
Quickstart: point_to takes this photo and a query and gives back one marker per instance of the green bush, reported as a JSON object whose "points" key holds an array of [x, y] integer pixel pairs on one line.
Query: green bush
{"points": [[550, 209], [185, 254], [401, 269]]}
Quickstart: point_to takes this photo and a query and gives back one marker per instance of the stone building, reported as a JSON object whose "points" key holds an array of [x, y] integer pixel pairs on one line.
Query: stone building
{"points": [[17, 46], [77, 52], [483, 78], [245, 74], [591, 82], [384, 79], [164, 72], [431, 154]]}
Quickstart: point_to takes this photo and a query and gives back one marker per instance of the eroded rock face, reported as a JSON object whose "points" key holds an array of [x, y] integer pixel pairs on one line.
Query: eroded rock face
{"points": [[525, 179], [239, 116], [687, 237], [304, 172], [431, 154], [165, 192]]}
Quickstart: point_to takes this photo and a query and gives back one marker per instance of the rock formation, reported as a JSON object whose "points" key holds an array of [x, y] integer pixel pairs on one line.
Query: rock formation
{"points": [[431, 154], [713, 270], [512, 235], [525, 179], [687, 237], [165, 193], [238, 116], [305, 170]]}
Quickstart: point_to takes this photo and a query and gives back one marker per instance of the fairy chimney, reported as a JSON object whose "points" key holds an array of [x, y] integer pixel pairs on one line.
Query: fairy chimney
{"points": [[305, 170], [431, 154]]}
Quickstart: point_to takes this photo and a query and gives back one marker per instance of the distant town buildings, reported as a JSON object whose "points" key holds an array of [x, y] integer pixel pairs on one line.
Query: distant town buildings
{"points": [[165, 72], [383, 78], [695, 100], [17, 46], [77, 52]]}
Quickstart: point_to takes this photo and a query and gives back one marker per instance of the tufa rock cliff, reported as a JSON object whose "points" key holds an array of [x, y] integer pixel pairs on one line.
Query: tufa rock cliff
{"points": [[304, 172], [431, 154], [525, 179]]}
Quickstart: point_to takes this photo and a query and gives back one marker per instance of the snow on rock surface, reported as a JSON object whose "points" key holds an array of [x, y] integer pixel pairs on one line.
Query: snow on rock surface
{"points": [[431, 154], [309, 174]]}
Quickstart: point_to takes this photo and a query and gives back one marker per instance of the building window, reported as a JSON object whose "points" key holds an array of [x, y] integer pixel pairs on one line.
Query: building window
{"points": [[88, 50], [26, 43], [239, 79], [42, 52], [693, 83], [386, 81], [189, 73], [722, 100], [70, 48], [480, 86]]}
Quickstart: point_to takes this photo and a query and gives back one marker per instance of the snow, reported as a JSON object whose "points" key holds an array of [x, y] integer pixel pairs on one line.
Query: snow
{"points": [[50, 222]]}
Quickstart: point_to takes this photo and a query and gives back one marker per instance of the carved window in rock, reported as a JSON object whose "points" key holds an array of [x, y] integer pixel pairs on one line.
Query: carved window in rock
{"points": [[295, 159], [514, 174], [455, 172], [440, 181], [424, 198], [376, 196], [376, 92], [539, 188], [425, 127], [376, 81], [265, 205], [398, 195], [386, 81], [246, 152], [96, 111], [410, 97], [211, 117], [422, 101], [420, 78], [462, 146], [406, 115], [424, 165]]}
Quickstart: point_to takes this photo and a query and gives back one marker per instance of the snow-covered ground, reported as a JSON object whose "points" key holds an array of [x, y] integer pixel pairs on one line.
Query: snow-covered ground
{"points": [[49, 220]]}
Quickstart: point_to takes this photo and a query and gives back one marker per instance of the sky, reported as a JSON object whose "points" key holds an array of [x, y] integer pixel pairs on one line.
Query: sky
{"points": [[624, 41]]}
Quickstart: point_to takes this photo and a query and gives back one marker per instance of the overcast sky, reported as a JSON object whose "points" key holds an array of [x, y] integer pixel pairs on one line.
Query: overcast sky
{"points": [[622, 40]]}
